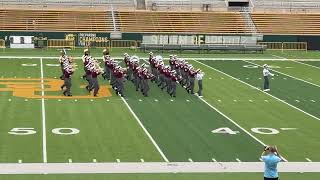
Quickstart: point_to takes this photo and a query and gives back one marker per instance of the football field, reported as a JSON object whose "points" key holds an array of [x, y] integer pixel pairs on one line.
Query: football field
{"points": [[231, 123]]}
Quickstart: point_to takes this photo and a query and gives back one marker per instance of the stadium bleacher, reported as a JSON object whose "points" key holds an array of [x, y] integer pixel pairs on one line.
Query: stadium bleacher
{"points": [[181, 22], [284, 23], [54, 20]]}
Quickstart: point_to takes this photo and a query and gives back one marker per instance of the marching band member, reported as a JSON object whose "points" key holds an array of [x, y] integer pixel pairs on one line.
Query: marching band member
{"points": [[68, 71], [62, 60], [119, 74], [191, 78], [106, 60]]}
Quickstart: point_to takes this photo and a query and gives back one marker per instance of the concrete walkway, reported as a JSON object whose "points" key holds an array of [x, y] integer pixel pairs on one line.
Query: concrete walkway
{"points": [[179, 167]]}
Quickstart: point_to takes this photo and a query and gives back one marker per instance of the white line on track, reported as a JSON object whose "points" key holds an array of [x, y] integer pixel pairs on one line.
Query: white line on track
{"points": [[260, 91], [145, 130], [285, 74], [43, 109]]}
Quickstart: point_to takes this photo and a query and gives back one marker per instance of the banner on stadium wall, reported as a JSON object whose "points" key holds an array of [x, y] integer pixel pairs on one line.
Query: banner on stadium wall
{"points": [[198, 39], [87, 39]]}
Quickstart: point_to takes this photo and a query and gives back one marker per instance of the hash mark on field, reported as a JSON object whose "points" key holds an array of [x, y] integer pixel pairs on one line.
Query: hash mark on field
{"points": [[214, 160], [20, 161], [190, 160], [238, 160], [94, 160], [309, 160], [118, 160], [142, 160], [70, 160]]}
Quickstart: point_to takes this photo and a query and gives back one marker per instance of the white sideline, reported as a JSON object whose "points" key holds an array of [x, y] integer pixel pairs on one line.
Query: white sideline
{"points": [[260, 90], [145, 130], [285, 74], [152, 167], [44, 138]]}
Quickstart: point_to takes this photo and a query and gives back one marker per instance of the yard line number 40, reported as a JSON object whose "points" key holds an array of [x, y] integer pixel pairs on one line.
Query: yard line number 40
{"points": [[258, 130], [29, 131]]}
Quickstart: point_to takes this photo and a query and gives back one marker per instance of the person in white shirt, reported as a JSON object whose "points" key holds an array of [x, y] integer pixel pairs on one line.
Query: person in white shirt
{"points": [[199, 77], [266, 73]]}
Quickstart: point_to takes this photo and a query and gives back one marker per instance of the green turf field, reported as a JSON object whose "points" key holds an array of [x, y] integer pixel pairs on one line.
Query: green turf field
{"points": [[159, 128]]}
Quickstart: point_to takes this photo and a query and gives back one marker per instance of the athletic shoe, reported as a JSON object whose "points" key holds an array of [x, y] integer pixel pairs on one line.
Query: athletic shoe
{"points": [[265, 90]]}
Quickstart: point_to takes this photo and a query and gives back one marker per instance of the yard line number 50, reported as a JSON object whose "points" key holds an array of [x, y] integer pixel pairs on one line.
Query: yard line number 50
{"points": [[29, 131]]}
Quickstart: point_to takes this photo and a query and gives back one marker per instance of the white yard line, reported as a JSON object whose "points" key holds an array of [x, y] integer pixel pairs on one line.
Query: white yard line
{"points": [[260, 90], [152, 167], [145, 130], [306, 64], [43, 109], [285, 74]]}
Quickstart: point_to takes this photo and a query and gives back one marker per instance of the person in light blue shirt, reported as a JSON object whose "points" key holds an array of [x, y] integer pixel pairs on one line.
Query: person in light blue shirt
{"points": [[271, 158]]}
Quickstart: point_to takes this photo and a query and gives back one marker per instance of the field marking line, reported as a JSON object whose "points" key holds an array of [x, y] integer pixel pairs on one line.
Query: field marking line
{"points": [[236, 124], [145, 130], [43, 110], [306, 64], [280, 57], [285, 74], [260, 91]]}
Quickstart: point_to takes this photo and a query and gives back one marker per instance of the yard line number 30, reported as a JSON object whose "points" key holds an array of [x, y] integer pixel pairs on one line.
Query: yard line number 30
{"points": [[29, 131]]}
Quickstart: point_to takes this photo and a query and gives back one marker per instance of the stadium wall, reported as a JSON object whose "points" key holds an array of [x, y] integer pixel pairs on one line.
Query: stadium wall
{"points": [[313, 41]]}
